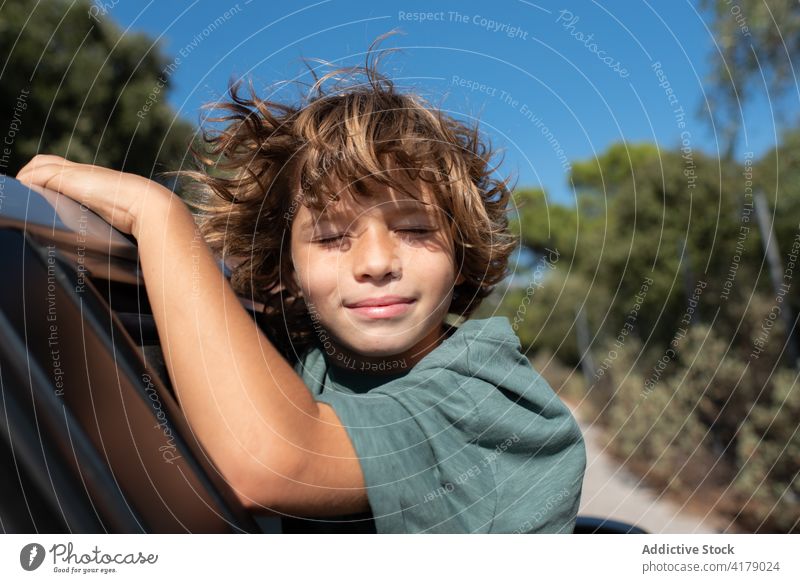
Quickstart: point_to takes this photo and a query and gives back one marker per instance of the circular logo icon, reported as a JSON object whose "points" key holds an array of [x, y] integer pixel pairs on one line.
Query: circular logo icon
{"points": [[31, 556]]}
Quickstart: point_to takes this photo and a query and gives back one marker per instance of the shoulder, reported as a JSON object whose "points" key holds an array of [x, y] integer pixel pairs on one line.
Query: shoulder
{"points": [[474, 345], [479, 380], [484, 358], [507, 396]]}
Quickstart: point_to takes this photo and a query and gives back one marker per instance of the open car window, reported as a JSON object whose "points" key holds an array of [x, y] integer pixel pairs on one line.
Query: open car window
{"points": [[92, 438]]}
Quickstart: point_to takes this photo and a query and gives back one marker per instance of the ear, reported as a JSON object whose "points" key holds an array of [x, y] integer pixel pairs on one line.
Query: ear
{"points": [[459, 280]]}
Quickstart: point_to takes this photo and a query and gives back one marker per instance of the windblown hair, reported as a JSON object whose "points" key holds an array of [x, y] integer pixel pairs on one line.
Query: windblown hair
{"points": [[269, 157]]}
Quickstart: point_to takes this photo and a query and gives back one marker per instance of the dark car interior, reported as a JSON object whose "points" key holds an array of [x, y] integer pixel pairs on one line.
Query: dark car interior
{"points": [[93, 439]]}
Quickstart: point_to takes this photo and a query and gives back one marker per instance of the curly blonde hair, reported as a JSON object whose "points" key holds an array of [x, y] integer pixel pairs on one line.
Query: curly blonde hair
{"points": [[270, 157]]}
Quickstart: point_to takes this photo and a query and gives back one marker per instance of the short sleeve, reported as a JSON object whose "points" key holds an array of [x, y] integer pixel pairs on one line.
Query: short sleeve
{"points": [[531, 440], [538, 459], [422, 465]]}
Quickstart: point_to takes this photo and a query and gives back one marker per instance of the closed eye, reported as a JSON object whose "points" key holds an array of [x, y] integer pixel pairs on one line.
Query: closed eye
{"points": [[335, 240], [329, 240], [416, 231]]}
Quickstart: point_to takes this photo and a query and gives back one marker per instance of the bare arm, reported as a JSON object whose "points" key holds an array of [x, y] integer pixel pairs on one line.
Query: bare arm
{"points": [[276, 445]]}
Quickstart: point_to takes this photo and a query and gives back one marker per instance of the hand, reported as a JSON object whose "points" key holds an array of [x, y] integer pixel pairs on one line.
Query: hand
{"points": [[118, 197]]}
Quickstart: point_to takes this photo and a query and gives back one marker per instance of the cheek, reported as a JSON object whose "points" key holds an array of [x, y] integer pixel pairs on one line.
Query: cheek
{"points": [[315, 275], [439, 264]]}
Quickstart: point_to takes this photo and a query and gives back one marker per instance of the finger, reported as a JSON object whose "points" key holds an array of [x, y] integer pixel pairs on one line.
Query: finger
{"points": [[36, 162], [41, 159], [45, 175], [39, 174]]}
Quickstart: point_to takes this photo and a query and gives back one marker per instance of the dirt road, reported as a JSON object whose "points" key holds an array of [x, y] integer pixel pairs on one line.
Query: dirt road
{"points": [[609, 491]]}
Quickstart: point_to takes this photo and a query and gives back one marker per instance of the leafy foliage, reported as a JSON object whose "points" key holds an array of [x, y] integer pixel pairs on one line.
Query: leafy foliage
{"points": [[666, 258], [76, 86], [756, 44]]}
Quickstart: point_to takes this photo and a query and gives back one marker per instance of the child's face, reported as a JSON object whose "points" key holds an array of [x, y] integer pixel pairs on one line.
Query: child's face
{"points": [[385, 245]]}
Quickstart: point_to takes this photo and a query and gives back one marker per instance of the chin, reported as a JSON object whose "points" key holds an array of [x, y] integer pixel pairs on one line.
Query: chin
{"points": [[385, 347], [382, 351]]}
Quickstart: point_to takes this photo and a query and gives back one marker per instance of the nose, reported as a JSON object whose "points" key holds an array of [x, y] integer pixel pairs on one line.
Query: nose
{"points": [[375, 256]]}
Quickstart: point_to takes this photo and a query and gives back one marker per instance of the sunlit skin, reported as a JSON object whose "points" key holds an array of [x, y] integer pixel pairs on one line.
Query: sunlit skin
{"points": [[366, 247], [279, 449]]}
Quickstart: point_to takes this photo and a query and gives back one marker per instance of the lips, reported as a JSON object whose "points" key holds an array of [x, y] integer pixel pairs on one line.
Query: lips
{"points": [[383, 307], [381, 301]]}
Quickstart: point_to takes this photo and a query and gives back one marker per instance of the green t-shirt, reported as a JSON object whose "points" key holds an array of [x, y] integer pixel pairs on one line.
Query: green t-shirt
{"points": [[471, 439]]}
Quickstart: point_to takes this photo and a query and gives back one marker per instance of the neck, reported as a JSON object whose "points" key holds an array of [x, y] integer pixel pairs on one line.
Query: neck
{"points": [[342, 357]]}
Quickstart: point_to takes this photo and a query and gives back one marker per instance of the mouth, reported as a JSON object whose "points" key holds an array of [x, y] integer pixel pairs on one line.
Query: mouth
{"points": [[385, 307]]}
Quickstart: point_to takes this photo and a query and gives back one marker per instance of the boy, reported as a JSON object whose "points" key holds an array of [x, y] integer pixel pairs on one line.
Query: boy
{"points": [[359, 220]]}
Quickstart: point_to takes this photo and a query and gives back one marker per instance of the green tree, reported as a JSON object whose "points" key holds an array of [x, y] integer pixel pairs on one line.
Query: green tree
{"points": [[641, 214], [754, 38], [72, 84]]}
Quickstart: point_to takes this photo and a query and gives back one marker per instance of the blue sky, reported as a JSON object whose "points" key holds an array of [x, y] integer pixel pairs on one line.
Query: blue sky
{"points": [[551, 82]]}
